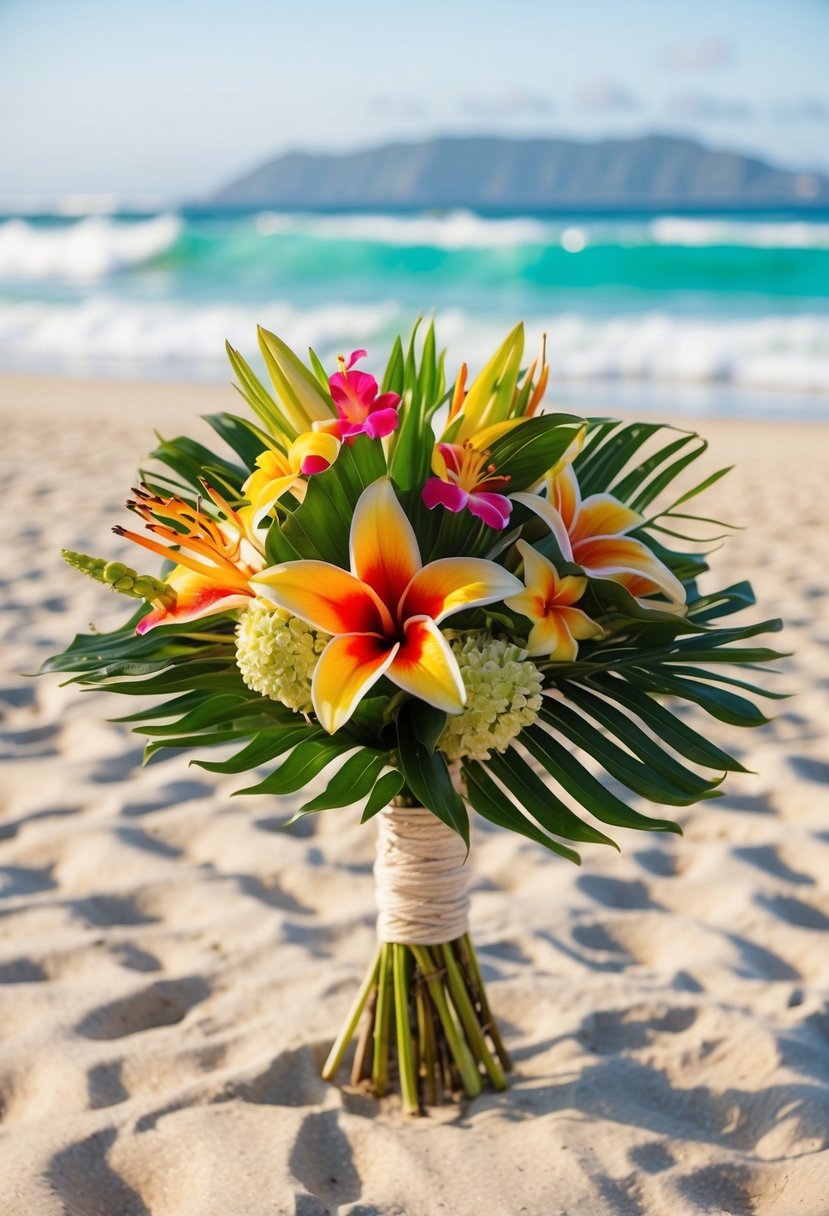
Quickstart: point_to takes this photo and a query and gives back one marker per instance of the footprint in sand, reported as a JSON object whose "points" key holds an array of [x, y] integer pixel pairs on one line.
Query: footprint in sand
{"points": [[83, 1178], [322, 1160], [162, 1004]]}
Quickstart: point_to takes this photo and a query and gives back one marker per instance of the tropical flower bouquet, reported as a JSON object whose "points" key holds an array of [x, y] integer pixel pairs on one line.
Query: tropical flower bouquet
{"points": [[423, 599]]}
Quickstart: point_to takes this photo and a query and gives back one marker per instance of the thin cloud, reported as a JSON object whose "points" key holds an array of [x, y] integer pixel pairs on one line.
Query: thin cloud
{"points": [[515, 104], [710, 107], [396, 105], [698, 55], [802, 109], [603, 93]]}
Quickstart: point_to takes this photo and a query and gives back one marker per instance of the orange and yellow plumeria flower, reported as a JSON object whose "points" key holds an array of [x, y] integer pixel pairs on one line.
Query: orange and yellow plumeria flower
{"points": [[592, 533], [277, 472], [547, 600], [216, 556], [384, 614]]}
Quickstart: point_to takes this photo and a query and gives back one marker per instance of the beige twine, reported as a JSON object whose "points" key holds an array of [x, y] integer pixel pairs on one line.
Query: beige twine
{"points": [[421, 879]]}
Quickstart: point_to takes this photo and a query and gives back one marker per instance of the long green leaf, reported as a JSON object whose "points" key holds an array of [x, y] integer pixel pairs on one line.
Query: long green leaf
{"points": [[244, 437], [258, 397], [586, 789], [527, 451], [650, 752], [352, 783], [387, 788], [718, 702], [639, 777], [666, 726], [491, 804], [427, 776], [303, 764], [539, 800], [267, 745]]}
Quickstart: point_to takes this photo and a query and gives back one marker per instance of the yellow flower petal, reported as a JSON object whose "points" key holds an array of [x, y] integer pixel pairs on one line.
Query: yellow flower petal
{"points": [[453, 583], [603, 515], [551, 637], [529, 603], [540, 575], [425, 666], [325, 596], [263, 490], [565, 494], [579, 624], [545, 510], [313, 443], [344, 673], [384, 549], [570, 589], [611, 556]]}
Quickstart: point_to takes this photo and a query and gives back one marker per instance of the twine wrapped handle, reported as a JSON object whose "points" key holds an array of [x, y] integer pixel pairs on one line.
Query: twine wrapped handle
{"points": [[421, 878]]}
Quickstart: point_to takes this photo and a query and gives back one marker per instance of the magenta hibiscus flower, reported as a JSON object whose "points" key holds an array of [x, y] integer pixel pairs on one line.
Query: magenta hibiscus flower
{"points": [[467, 480], [360, 410]]}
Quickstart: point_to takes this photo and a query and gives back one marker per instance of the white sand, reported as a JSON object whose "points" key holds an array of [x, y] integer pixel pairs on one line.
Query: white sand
{"points": [[173, 967]]}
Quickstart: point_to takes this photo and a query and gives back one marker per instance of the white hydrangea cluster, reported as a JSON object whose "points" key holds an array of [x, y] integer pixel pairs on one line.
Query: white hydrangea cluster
{"points": [[277, 653], [503, 691]]}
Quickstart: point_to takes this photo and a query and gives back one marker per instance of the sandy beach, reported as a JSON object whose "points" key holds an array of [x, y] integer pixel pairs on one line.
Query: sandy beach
{"points": [[173, 965]]}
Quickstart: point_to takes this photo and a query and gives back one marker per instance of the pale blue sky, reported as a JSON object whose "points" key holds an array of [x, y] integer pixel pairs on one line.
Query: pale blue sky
{"points": [[174, 97]]}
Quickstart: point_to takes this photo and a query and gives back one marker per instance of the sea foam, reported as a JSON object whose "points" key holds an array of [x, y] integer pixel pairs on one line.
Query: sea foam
{"points": [[772, 352], [451, 230], [756, 234], [90, 248]]}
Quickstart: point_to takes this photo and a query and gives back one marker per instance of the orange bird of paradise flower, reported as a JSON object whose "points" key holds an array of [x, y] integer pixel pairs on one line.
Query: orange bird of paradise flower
{"points": [[384, 613], [216, 557]]}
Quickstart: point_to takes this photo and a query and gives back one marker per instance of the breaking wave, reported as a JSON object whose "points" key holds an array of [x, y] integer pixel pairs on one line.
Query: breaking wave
{"points": [[767, 352], [90, 248]]}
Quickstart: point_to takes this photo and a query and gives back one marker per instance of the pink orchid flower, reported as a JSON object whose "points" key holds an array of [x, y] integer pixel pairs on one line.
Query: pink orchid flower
{"points": [[360, 410], [465, 479]]}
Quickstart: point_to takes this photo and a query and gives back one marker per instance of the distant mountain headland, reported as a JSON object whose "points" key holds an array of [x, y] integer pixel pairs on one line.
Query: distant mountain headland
{"points": [[492, 173]]}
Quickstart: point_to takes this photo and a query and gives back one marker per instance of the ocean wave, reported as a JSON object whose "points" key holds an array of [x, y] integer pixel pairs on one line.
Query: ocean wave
{"points": [[769, 352], [452, 230], [105, 330], [273, 246], [90, 248], [754, 234], [773, 352], [460, 230]]}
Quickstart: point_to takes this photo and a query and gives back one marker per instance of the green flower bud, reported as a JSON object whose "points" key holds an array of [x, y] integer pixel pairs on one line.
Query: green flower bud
{"points": [[114, 571]]}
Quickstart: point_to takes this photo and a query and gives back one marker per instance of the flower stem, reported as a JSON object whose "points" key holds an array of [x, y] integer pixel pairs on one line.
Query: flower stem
{"points": [[427, 1047], [461, 1054], [443, 1038], [405, 1053], [380, 1067], [466, 1013], [350, 1025], [468, 956], [361, 1067]]}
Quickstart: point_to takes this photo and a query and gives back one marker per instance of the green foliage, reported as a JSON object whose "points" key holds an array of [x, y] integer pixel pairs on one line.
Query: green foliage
{"points": [[426, 772], [528, 451]]}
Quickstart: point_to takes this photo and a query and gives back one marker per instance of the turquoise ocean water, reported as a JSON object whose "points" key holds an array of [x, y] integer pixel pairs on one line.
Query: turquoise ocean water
{"points": [[716, 314]]}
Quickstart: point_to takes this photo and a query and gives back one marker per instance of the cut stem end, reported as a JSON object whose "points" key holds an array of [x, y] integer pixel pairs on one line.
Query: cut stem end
{"points": [[422, 1020]]}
